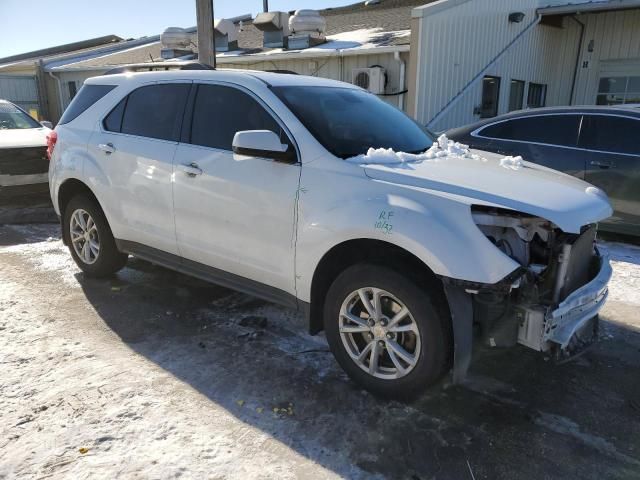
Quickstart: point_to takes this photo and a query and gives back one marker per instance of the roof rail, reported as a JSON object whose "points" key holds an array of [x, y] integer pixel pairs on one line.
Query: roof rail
{"points": [[158, 66], [285, 72]]}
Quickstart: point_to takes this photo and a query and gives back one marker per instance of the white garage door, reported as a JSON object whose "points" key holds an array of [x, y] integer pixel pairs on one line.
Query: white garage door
{"points": [[619, 83]]}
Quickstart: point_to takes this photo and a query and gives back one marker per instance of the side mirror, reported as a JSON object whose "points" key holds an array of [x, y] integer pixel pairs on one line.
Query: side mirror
{"points": [[263, 144], [47, 124]]}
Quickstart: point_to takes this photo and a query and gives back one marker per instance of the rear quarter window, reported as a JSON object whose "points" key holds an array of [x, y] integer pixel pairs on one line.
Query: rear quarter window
{"points": [[549, 129], [87, 96]]}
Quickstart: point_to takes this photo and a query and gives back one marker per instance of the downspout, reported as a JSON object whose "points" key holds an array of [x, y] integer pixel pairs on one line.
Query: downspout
{"points": [[578, 57], [397, 58], [60, 104]]}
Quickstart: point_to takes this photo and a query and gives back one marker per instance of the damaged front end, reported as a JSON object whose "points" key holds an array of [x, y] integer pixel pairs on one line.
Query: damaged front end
{"points": [[550, 303]]}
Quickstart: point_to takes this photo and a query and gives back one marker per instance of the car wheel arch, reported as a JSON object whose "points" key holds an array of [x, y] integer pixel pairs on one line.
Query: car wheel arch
{"points": [[361, 250], [70, 188]]}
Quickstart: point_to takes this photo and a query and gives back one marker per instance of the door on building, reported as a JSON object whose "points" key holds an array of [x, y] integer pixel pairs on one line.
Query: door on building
{"points": [[613, 164]]}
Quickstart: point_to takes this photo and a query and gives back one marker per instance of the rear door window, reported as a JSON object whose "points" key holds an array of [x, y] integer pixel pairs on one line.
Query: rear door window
{"points": [[612, 134], [87, 96], [219, 112], [154, 111], [559, 130]]}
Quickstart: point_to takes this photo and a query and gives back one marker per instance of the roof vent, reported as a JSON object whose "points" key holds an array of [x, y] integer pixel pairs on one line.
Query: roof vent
{"points": [[275, 26], [176, 42], [307, 29], [226, 35]]}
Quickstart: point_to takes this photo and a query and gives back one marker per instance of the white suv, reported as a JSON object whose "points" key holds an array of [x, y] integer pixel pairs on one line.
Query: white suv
{"points": [[265, 183]]}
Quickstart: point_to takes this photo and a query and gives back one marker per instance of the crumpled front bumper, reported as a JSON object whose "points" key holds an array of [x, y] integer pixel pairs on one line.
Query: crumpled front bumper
{"points": [[579, 307]]}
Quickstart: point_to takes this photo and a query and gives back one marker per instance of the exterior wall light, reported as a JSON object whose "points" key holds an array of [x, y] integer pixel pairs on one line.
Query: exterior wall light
{"points": [[516, 17]]}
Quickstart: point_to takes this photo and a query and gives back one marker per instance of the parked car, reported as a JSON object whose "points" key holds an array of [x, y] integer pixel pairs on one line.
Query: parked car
{"points": [[266, 183], [23, 147], [596, 144]]}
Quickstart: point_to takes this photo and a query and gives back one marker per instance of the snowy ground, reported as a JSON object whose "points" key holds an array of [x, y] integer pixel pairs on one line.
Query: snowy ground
{"points": [[155, 375]]}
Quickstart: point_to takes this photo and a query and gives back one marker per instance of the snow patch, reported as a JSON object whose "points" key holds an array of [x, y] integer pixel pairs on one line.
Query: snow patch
{"points": [[512, 163], [443, 147], [625, 261]]}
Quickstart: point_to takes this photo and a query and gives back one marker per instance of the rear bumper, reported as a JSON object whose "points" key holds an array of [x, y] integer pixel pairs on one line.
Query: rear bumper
{"points": [[579, 307]]}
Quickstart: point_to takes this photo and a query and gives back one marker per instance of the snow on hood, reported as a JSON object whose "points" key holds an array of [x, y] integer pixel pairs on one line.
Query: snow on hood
{"points": [[510, 183], [23, 137], [443, 147]]}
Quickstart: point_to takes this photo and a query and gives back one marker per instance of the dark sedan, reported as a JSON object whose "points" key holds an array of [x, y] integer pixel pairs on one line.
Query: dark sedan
{"points": [[600, 145]]}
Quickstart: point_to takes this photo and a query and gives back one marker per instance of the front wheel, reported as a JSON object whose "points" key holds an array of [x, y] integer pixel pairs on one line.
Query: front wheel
{"points": [[90, 240], [390, 336]]}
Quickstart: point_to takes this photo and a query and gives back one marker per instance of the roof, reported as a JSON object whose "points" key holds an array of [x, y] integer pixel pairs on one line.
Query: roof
{"points": [[63, 56], [352, 29], [67, 47], [548, 7]]}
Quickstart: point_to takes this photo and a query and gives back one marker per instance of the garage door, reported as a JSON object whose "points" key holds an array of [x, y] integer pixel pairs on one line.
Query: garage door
{"points": [[21, 90], [619, 83]]}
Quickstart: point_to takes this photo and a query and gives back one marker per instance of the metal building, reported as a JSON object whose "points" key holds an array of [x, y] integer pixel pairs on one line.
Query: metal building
{"points": [[474, 59]]}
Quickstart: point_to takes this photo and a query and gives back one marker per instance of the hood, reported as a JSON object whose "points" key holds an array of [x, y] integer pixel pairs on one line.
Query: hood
{"points": [[24, 137], [562, 199]]}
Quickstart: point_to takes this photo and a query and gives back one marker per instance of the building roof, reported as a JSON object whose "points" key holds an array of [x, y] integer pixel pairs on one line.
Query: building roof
{"points": [[66, 48], [352, 29], [561, 7]]}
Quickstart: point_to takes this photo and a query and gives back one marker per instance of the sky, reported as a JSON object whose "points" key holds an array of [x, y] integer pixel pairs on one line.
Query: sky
{"points": [[27, 25]]}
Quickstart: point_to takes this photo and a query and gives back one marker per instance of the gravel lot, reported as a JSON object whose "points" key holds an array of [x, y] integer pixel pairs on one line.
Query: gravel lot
{"points": [[155, 375]]}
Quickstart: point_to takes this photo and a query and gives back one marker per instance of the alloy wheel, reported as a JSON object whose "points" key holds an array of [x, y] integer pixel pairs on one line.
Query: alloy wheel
{"points": [[379, 333], [84, 236]]}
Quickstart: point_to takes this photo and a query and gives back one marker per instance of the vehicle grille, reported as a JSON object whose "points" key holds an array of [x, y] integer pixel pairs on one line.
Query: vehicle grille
{"points": [[23, 161]]}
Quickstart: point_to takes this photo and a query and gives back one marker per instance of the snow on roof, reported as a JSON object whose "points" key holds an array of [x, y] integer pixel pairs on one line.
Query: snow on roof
{"points": [[352, 29]]}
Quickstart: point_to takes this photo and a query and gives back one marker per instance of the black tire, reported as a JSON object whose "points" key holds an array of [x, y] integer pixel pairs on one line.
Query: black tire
{"points": [[109, 260], [429, 314]]}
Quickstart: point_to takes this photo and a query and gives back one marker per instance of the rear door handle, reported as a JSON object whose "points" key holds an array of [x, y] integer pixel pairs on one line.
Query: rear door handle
{"points": [[107, 148], [601, 164], [191, 170]]}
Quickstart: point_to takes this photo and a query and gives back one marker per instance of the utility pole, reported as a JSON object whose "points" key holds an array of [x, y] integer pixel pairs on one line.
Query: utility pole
{"points": [[265, 5], [206, 33]]}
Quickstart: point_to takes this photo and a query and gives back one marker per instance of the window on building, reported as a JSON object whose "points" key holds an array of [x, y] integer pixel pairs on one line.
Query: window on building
{"points": [[87, 96], [490, 96], [219, 112], [155, 111], [548, 129], [610, 133], [537, 96], [516, 95], [73, 89], [618, 90]]}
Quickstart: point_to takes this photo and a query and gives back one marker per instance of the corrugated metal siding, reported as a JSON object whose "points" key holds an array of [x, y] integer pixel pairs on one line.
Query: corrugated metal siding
{"points": [[21, 90], [336, 68], [616, 39], [460, 42]]}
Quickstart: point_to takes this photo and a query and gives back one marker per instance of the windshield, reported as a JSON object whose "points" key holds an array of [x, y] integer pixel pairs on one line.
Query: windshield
{"points": [[347, 122], [11, 118]]}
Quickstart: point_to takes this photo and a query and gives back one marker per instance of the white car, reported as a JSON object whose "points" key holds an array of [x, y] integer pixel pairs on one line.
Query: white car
{"points": [[265, 183], [23, 152]]}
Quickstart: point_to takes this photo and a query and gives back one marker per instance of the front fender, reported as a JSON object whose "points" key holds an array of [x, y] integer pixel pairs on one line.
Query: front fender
{"points": [[439, 231]]}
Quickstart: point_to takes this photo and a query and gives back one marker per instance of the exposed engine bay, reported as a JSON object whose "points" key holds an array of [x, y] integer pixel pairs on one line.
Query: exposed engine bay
{"points": [[550, 303]]}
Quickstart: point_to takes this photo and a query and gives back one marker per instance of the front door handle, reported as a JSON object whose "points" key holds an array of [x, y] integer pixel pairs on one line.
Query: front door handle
{"points": [[602, 164], [107, 148], [191, 170]]}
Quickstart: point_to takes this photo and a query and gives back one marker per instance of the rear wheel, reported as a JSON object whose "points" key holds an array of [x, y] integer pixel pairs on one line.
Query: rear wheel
{"points": [[386, 332], [91, 242]]}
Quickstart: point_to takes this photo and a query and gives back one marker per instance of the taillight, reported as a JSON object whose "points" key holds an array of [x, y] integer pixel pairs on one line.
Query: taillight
{"points": [[52, 138]]}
